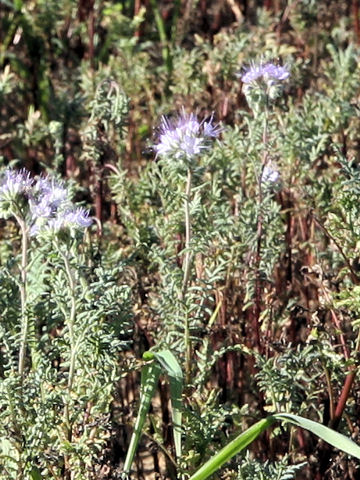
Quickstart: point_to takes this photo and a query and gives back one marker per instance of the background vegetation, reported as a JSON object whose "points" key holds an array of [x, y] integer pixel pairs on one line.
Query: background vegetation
{"points": [[83, 85]]}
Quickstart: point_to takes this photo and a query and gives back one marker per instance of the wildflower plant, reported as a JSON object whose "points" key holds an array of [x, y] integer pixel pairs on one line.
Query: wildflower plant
{"points": [[263, 82], [181, 141], [72, 312], [261, 292]]}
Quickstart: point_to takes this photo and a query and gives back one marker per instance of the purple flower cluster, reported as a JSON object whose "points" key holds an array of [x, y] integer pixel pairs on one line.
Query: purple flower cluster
{"points": [[15, 182], [46, 202], [269, 175], [185, 137], [47, 196], [77, 217], [52, 210], [268, 72]]}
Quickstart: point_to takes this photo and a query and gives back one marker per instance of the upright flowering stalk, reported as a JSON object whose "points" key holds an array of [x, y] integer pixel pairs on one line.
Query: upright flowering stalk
{"points": [[53, 218], [41, 208], [263, 82], [182, 140], [15, 189]]}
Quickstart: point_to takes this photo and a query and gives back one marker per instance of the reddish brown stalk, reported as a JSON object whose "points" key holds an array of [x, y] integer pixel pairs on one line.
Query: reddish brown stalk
{"points": [[70, 165], [286, 275], [341, 335], [86, 13], [137, 6], [334, 423], [345, 393], [268, 4], [340, 407], [98, 204]]}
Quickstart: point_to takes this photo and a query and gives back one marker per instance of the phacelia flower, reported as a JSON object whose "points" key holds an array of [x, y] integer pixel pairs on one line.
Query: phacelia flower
{"points": [[78, 217], [15, 182], [266, 72], [185, 137], [276, 72], [263, 82], [269, 175], [62, 217], [44, 205], [15, 188], [47, 197]]}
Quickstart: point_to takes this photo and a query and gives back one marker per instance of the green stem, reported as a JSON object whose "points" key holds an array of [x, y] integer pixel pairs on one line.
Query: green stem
{"points": [[70, 324], [163, 37], [188, 254], [23, 295], [259, 237], [187, 270]]}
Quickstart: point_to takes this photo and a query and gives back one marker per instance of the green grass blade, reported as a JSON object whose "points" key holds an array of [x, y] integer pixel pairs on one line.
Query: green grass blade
{"points": [[173, 369], [168, 361], [176, 388], [330, 436], [149, 380], [162, 35], [234, 447]]}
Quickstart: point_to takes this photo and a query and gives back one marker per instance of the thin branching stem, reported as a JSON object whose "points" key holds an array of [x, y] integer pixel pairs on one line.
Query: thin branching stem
{"points": [[188, 254], [70, 320], [354, 276], [259, 237], [23, 295], [187, 270]]}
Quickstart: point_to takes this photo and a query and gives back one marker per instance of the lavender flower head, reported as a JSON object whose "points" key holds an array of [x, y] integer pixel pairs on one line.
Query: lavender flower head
{"points": [[52, 209], [267, 72], [185, 137], [263, 81], [15, 187], [15, 182], [44, 205], [269, 175], [47, 196], [77, 217]]}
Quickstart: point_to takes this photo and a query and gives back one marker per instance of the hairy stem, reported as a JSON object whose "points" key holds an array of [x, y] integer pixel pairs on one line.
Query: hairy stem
{"points": [[259, 237], [70, 324], [187, 270], [23, 295]]}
